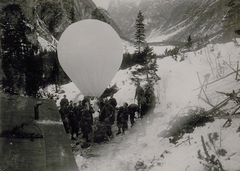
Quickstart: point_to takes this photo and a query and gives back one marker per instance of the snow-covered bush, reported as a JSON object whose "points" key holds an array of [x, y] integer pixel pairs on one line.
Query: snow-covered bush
{"points": [[195, 117]]}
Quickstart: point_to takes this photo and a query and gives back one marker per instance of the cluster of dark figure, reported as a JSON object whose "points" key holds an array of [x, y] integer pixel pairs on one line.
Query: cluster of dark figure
{"points": [[146, 104], [76, 117]]}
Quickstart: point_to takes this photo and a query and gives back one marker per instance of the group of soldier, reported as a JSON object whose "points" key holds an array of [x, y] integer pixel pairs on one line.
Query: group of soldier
{"points": [[79, 117], [76, 116]]}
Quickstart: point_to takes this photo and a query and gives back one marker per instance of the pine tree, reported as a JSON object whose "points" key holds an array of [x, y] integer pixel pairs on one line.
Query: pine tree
{"points": [[53, 73], [148, 68], [21, 65], [98, 15], [34, 72], [72, 15], [150, 65], [189, 42], [144, 54], [55, 70], [140, 32], [14, 49]]}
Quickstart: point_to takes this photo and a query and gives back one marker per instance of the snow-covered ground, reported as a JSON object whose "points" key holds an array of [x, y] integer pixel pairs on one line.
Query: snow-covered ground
{"points": [[178, 88]]}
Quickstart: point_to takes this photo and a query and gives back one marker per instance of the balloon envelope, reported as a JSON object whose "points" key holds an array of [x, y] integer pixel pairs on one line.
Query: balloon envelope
{"points": [[90, 52]]}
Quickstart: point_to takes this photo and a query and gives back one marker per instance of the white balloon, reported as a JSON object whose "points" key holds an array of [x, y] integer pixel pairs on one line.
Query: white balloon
{"points": [[90, 52]]}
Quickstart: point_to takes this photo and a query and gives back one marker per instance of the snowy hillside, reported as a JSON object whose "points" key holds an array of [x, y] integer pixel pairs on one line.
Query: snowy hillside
{"points": [[178, 90], [173, 20]]}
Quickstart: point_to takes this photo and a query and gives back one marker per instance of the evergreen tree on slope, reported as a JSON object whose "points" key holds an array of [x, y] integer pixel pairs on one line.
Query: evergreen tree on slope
{"points": [[14, 49], [140, 33], [22, 72]]}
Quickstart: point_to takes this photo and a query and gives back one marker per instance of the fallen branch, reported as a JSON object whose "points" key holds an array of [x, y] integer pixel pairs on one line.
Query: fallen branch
{"points": [[237, 74], [232, 95], [218, 106], [227, 123], [236, 110], [217, 80], [211, 106]]}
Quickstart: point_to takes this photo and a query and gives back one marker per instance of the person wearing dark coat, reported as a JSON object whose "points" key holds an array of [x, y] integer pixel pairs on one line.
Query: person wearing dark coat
{"points": [[139, 95], [122, 117], [113, 102], [106, 116], [70, 106], [86, 120], [125, 106], [74, 124], [150, 98], [79, 111], [150, 102], [64, 102], [75, 108], [64, 112], [64, 116], [132, 108]]}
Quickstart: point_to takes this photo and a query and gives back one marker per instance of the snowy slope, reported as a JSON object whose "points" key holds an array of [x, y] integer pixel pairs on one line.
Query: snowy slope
{"points": [[177, 89]]}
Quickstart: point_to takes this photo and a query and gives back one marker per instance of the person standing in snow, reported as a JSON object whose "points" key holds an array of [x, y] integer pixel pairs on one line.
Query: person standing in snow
{"points": [[122, 117], [73, 122], [150, 98], [139, 95], [64, 101], [86, 120], [113, 102], [64, 116], [70, 106], [125, 106], [106, 115], [64, 112], [150, 102], [79, 111], [132, 109]]}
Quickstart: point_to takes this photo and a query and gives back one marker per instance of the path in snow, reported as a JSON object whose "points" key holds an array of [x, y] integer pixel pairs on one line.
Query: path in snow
{"points": [[122, 152]]}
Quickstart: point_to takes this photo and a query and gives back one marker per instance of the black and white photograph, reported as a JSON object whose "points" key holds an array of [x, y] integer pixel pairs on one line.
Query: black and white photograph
{"points": [[119, 85]]}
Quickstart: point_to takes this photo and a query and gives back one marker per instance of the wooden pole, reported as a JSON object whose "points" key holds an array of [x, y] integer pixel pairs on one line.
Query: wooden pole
{"points": [[202, 89], [217, 80], [237, 74]]}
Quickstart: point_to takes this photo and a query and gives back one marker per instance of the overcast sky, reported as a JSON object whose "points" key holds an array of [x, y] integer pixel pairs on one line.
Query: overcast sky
{"points": [[101, 3]]}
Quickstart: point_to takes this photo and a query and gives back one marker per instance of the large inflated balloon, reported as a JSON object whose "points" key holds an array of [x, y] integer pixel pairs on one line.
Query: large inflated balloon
{"points": [[90, 52]]}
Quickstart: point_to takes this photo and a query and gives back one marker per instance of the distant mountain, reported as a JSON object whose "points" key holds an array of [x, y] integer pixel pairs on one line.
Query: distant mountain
{"points": [[47, 19], [172, 20], [109, 20]]}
